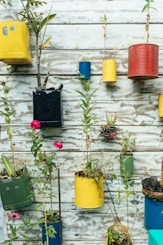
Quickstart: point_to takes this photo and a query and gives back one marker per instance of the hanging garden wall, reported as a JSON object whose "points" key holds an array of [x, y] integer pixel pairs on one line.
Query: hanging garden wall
{"points": [[77, 32]]}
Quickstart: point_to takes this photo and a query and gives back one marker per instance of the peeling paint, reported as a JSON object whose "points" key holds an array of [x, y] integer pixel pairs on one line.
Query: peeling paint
{"points": [[5, 31], [12, 28]]}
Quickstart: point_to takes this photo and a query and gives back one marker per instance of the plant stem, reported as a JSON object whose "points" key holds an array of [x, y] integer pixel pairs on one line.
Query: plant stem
{"points": [[59, 200], [46, 227], [105, 33], [38, 57], [147, 25], [12, 145], [51, 198]]}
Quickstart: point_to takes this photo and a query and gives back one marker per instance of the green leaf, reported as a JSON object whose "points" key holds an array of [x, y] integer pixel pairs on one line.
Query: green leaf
{"points": [[46, 42], [45, 21], [8, 166], [81, 93]]}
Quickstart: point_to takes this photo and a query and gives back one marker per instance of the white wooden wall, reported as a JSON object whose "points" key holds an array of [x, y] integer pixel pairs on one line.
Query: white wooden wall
{"points": [[77, 32]]}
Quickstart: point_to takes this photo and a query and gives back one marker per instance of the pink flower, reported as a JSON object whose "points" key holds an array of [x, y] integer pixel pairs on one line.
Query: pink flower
{"points": [[14, 216], [35, 124], [112, 135], [58, 145]]}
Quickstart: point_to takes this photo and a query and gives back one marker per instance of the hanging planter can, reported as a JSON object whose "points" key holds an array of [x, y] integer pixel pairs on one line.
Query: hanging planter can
{"points": [[126, 165], [143, 61], [58, 233], [121, 236], [153, 204], [47, 107], [16, 192], [153, 214], [160, 105], [155, 237], [108, 132], [109, 71], [85, 69], [14, 43], [89, 192]]}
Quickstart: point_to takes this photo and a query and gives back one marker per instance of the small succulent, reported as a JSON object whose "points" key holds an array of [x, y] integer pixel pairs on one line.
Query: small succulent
{"points": [[109, 130], [111, 120]]}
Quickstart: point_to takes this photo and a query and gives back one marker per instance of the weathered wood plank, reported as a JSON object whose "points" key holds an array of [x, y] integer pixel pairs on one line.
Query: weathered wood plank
{"points": [[73, 139], [80, 36], [123, 90], [146, 163], [88, 12], [63, 64], [135, 113]]}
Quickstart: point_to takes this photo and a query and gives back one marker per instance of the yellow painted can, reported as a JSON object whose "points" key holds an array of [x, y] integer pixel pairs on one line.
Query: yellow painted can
{"points": [[109, 73], [160, 105], [89, 193], [14, 42]]}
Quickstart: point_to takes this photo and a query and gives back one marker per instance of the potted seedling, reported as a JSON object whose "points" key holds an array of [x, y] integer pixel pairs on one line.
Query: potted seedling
{"points": [[108, 131], [46, 101], [119, 233], [85, 68], [89, 191], [14, 50], [152, 188], [109, 64], [143, 58], [15, 184], [45, 166], [127, 143]]}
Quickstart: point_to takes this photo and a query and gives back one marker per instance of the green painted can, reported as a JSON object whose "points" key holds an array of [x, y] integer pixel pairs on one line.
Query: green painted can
{"points": [[126, 165], [16, 192]]}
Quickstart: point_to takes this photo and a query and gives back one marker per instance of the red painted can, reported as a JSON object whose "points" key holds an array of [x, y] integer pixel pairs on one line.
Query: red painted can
{"points": [[143, 61]]}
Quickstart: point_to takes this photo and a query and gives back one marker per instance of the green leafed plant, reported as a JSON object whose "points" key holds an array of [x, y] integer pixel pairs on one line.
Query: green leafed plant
{"points": [[38, 25], [46, 164], [113, 236], [87, 120], [118, 235], [21, 231], [127, 143], [111, 120], [7, 112]]}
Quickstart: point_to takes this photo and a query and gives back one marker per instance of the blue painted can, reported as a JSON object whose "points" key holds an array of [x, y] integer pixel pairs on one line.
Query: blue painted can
{"points": [[85, 69], [153, 214], [58, 236]]}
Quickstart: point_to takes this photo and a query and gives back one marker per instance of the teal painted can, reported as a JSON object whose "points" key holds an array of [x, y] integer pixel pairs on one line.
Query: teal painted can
{"points": [[155, 237]]}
